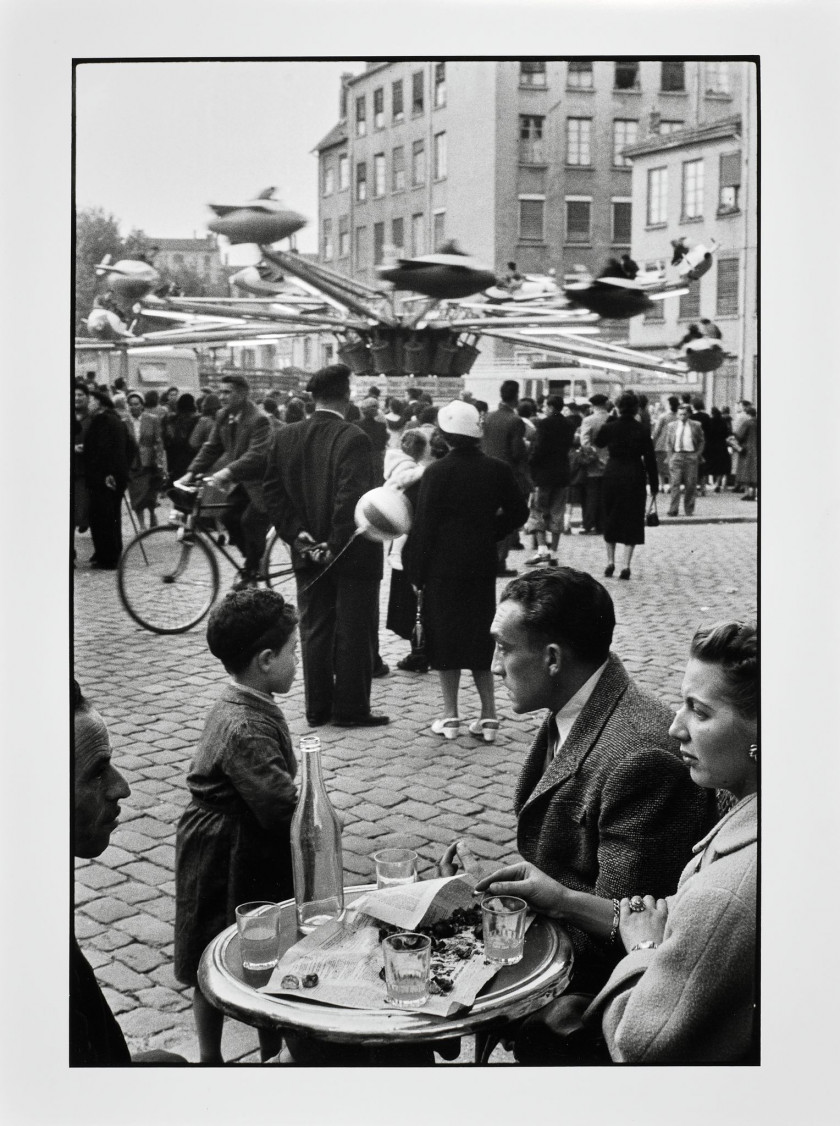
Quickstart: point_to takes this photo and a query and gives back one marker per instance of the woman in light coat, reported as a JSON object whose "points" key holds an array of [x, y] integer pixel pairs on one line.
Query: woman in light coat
{"points": [[685, 992]]}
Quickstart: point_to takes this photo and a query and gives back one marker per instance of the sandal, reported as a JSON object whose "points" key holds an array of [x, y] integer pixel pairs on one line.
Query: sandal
{"points": [[448, 728], [484, 729]]}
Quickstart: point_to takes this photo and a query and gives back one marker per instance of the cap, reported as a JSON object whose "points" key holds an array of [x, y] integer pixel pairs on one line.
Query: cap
{"points": [[236, 381], [134, 395], [458, 417], [598, 400]]}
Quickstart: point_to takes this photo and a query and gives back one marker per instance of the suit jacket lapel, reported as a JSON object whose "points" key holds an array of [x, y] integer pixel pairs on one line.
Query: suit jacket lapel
{"points": [[583, 736]]}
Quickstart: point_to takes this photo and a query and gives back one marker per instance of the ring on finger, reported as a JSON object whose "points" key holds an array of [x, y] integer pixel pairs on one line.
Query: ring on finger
{"points": [[637, 903]]}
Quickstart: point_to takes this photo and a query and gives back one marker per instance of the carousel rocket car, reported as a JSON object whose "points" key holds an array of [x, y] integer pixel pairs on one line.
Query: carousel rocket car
{"points": [[445, 276], [128, 280], [263, 280], [263, 220], [105, 323]]}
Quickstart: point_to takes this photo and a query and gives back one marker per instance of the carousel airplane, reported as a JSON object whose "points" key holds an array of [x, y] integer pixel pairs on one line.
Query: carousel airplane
{"points": [[263, 220], [129, 279], [444, 276]]}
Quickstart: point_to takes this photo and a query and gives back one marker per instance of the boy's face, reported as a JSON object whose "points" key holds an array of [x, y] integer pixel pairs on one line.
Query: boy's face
{"points": [[282, 667]]}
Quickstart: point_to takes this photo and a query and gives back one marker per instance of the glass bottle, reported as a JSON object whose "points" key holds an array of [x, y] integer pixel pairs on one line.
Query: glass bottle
{"points": [[316, 845]]}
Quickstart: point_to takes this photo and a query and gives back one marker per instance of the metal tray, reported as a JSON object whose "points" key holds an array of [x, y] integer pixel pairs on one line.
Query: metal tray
{"points": [[514, 992]]}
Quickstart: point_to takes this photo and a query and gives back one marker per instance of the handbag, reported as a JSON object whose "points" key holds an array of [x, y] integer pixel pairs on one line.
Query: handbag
{"points": [[652, 518]]}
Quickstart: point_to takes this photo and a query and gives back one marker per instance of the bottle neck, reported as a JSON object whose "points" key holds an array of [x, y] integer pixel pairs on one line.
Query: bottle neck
{"points": [[311, 768]]}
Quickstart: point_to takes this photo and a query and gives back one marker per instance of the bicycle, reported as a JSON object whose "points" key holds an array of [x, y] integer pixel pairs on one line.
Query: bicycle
{"points": [[168, 577]]}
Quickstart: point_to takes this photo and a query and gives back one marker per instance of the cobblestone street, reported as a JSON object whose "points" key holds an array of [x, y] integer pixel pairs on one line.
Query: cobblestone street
{"points": [[398, 785]]}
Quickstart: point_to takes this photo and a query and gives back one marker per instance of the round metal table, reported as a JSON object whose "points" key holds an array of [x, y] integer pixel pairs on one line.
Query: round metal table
{"points": [[514, 992]]}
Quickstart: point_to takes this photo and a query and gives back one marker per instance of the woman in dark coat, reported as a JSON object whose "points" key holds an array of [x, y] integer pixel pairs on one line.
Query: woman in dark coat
{"points": [[716, 452], [467, 502], [177, 430], [631, 457]]}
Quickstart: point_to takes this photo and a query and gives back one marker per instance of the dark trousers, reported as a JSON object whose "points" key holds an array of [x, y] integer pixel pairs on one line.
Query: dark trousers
{"points": [[339, 617], [247, 527], [592, 505], [105, 517]]}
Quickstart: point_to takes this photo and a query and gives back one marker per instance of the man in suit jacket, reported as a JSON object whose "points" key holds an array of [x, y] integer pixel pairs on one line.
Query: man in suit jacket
{"points": [[684, 443], [550, 473], [107, 453], [504, 438], [317, 471], [236, 451], [592, 514]]}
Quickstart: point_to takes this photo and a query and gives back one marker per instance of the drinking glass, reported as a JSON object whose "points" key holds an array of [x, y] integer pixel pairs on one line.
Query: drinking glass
{"points": [[259, 934], [503, 919], [395, 866], [408, 959]]}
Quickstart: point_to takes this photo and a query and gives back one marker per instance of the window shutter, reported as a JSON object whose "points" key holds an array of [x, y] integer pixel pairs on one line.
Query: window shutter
{"points": [[727, 286], [730, 170]]}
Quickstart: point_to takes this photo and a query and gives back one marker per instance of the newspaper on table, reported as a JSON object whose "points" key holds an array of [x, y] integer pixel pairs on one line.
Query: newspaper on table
{"points": [[347, 955]]}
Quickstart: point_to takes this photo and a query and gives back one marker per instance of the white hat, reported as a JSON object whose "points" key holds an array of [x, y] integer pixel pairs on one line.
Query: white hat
{"points": [[458, 417]]}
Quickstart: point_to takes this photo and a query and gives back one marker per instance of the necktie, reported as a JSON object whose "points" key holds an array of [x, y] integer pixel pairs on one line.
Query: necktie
{"points": [[681, 438], [232, 433]]}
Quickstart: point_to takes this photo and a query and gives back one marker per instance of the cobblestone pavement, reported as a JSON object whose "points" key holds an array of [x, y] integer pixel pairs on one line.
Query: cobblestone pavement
{"points": [[397, 785]]}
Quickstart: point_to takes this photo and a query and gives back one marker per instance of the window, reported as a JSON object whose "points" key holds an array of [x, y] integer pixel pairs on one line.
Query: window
{"points": [[343, 173], [532, 217], [673, 77], [438, 229], [532, 73], [418, 163], [440, 85], [361, 123], [378, 243], [307, 352], [397, 114], [657, 196], [627, 75], [692, 189], [328, 239], [418, 234], [329, 179], [621, 219], [379, 108], [398, 169], [666, 127], [690, 303], [578, 138], [625, 132], [717, 78], [379, 175], [398, 234], [727, 287], [729, 197], [531, 139], [361, 247], [578, 219], [361, 181], [417, 92], [580, 74], [440, 156], [343, 237]]}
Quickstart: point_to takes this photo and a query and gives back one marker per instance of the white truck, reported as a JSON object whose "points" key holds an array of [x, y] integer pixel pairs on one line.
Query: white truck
{"points": [[143, 369]]}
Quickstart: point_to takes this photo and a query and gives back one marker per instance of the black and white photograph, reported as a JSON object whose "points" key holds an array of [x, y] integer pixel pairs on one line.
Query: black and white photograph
{"points": [[415, 693]]}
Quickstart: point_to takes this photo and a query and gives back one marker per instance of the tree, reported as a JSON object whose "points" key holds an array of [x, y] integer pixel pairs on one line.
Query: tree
{"points": [[98, 234]]}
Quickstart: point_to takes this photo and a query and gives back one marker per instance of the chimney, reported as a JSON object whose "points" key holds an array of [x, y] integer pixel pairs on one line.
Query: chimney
{"points": [[653, 125], [342, 102]]}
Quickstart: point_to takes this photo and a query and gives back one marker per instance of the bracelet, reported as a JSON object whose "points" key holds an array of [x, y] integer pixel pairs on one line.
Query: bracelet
{"points": [[616, 916], [649, 945]]}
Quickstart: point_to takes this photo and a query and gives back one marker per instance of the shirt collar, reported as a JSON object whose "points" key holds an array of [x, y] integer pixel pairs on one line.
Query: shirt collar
{"points": [[565, 718], [329, 410], [248, 691]]}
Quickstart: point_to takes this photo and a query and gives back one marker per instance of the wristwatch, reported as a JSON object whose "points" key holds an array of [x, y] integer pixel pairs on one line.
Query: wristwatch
{"points": [[648, 945]]}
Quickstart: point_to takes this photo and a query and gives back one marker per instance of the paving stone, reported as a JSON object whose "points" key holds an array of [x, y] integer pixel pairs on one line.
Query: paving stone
{"points": [[151, 827], [160, 998], [164, 855], [131, 892], [162, 908], [140, 958], [151, 874], [146, 1022], [97, 876], [151, 786], [165, 975], [118, 1002], [86, 927], [106, 939], [107, 910], [458, 805], [123, 978], [146, 928], [136, 842], [420, 810]]}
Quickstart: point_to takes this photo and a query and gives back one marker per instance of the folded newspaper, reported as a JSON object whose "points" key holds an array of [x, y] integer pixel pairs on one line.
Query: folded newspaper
{"points": [[344, 959]]}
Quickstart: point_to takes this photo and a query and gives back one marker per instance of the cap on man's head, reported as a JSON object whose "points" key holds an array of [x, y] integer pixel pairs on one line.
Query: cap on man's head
{"points": [[598, 400], [458, 417], [236, 380], [103, 398], [331, 382]]}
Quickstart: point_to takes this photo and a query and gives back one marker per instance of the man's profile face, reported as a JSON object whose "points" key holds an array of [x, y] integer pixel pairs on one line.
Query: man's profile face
{"points": [[521, 661], [99, 786], [232, 396]]}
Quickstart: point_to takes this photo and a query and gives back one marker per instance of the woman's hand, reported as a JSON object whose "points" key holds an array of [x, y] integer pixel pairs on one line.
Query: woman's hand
{"points": [[459, 857], [525, 880], [642, 926]]}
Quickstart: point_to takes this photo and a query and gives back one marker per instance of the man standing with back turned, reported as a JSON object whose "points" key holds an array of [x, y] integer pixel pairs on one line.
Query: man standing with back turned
{"points": [[317, 470]]}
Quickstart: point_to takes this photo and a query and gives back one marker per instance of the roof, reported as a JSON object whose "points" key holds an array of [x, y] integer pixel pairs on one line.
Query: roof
{"points": [[336, 136], [683, 138]]}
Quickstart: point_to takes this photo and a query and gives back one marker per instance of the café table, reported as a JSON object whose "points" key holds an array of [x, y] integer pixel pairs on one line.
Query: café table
{"points": [[512, 994]]}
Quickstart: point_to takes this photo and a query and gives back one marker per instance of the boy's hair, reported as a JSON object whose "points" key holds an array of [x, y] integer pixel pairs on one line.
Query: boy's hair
{"points": [[247, 621]]}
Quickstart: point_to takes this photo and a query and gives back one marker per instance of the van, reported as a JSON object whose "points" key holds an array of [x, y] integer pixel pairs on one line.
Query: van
{"points": [[143, 369]]}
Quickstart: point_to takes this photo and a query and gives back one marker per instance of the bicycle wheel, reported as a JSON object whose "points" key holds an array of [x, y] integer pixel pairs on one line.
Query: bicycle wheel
{"points": [[276, 564], [168, 579]]}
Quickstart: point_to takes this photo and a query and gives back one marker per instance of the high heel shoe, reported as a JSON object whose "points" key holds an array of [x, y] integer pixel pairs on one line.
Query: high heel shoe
{"points": [[609, 570], [625, 574], [484, 729], [448, 728]]}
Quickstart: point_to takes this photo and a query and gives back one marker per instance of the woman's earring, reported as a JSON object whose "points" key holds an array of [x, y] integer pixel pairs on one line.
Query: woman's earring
{"points": [[754, 751]]}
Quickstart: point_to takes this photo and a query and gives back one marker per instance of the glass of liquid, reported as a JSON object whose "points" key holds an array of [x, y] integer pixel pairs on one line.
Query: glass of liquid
{"points": [[503, 919], [259, 934], [395, 866], [408, 959]]}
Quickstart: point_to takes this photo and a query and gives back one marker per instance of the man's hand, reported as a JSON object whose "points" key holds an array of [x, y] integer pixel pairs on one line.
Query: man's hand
{"points": [[220, 480], [310, 549], [110, 482], [459, 857], [184, 482], [527, 881], [642, 926]]}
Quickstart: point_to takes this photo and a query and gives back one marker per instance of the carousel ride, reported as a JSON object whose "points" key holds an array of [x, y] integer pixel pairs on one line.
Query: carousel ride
{"points": [[424, 317]]}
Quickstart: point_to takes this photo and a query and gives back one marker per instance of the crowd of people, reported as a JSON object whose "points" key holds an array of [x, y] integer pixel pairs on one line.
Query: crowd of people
{"points": [[615, 792]]}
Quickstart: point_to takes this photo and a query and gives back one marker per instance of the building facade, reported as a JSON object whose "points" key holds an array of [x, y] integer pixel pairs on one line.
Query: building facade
{"points": [[198, 257], [701, 183]]}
